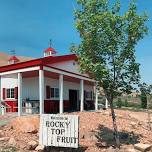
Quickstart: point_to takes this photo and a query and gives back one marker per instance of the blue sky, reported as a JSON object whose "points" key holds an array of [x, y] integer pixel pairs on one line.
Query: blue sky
{"points": [[27, 26]]}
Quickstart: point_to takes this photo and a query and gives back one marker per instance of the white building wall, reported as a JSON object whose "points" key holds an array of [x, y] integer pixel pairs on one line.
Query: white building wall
{"points": [[54, 83], [31, 86], [71, 66], [8, 81]]}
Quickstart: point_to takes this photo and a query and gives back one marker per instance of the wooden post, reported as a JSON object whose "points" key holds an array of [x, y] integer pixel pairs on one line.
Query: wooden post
{"points": [[96, 100], [19, 94], [82, 95], [61, 110], [41, 91]]}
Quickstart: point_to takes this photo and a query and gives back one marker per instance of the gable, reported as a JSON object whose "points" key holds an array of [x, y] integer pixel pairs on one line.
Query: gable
{"points": [[71, 66]]}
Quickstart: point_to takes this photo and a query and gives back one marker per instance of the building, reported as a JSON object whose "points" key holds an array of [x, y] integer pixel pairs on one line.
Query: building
{"points": [[50, 84]]}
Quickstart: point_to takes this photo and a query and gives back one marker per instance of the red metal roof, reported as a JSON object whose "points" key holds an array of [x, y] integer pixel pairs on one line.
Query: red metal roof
{"points": [[13, 58], [38, 62], [50, 49]]}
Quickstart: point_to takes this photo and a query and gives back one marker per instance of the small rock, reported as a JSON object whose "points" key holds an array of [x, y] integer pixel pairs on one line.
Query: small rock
{"points": [[120, 116], [110, 149], [90, 136], [82, 136], [104, 144], [40, 148], [32, 145], [130, 150], [12, 141], [133, 124], [1, 133], [106, 113], [37, 134], [142, 147], [139, 123], [4, 139]]}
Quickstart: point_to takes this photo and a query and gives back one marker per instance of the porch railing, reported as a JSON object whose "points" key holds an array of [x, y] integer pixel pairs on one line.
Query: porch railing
{"points": [[30, 107], [4, 107]]}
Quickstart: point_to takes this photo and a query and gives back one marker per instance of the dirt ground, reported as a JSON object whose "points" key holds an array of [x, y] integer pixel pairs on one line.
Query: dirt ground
{"points": [[96, 132]]}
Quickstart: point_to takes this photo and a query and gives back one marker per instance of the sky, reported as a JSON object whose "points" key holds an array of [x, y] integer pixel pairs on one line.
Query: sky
{"points": [[28, 25]]}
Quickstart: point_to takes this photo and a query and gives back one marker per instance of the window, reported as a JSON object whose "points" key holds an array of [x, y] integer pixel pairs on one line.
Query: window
{"points": [[89, 95], [10, 93], [54, 92]]}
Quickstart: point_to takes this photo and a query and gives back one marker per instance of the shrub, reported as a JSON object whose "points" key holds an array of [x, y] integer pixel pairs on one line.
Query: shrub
{"points": [[119, 103], [126, 103], [143, 99]]}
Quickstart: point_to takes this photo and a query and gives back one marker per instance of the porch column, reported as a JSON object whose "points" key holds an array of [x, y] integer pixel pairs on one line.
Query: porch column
{"points": [[61, 106], [41, 91], [96, 100], [0, 90], [19, 94], [82, 95], [106, 104]]}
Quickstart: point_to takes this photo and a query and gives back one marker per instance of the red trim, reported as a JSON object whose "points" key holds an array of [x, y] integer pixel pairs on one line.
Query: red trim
{"points": [[21, 65], [55, 59], [16, 93], [48, 92], [50, 50], [41, 67], [14, 58], [38, 62], [52, 106], [13, 106]]}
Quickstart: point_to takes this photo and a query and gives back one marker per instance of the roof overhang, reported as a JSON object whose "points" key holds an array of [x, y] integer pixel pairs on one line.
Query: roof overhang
{"points": [[38, 62]]}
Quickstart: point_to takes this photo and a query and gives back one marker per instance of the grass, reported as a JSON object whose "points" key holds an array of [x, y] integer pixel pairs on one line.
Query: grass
{"points": [[134, 109], [8, 149]]}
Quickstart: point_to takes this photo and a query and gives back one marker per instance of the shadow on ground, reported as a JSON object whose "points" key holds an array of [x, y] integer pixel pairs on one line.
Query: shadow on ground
{"points": [[57, 149], [105, 137]]}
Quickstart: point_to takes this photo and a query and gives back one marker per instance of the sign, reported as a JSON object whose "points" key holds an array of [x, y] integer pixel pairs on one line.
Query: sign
{"points": [[59, 130]]}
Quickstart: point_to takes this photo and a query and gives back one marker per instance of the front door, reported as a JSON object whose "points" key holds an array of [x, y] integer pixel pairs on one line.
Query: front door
{"points": [[73, 99]]}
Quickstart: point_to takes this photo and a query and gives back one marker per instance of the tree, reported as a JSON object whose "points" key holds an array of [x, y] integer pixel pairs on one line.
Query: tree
{"points": [[107, 47]]}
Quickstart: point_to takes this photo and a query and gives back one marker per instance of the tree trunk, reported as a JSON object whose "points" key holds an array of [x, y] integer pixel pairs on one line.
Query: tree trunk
{"points": [[116, 134]]}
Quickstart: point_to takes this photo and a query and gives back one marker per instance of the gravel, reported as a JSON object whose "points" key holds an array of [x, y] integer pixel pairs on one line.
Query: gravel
{"points": [[99, 123]]}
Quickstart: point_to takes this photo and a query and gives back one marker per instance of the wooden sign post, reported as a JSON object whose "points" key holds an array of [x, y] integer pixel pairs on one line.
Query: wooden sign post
{"points": [[59, 130]]}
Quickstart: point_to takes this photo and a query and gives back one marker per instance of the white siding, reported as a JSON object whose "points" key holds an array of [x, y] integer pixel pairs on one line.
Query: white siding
{"points": [[8, 81], [31, 86], [71, 66], [54, 83]]}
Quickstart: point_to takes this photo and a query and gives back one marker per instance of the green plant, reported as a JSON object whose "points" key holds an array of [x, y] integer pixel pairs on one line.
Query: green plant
{"points": [[126, 103], [119, 103], [143, 99]]}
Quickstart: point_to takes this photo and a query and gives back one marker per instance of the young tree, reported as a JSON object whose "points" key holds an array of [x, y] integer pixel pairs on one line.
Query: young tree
{"points": [[107, 48]]}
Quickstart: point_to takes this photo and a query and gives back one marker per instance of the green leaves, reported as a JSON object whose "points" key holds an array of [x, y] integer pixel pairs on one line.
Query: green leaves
{"points": [[108, 39]]}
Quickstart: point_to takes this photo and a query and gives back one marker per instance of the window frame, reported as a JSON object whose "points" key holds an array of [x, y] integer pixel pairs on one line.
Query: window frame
{"points": [[89, 95], [10, 93], [55, 93]]}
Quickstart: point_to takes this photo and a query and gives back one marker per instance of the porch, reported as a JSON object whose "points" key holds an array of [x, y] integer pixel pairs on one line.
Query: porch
{"points": [[50, 90]]}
